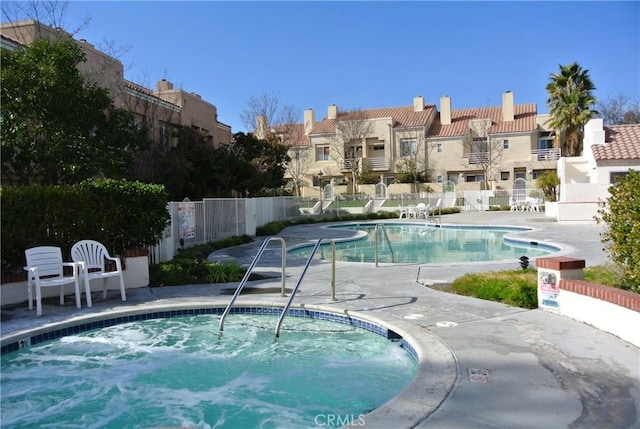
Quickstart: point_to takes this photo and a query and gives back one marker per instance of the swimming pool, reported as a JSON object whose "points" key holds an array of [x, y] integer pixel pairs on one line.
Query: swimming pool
{"points": [[173, 369], [431, 243]]}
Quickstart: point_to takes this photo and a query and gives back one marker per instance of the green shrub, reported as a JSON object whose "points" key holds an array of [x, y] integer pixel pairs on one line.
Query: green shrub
{"points": [[621, 213], [190, 266], [548, 182], [224, 272], [608, 275], [118, 213], [367, 178], [202, 251], [518, 288], [272, 228]]}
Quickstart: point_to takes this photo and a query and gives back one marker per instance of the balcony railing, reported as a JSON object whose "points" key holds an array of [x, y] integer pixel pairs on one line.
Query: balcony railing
{"points": [[477, 157], [349, 164], [377, 164], [551, 154]]}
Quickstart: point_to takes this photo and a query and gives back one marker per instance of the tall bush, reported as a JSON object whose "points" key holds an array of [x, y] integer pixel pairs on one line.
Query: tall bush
{"points": [[621, 213], [120, 214], [548, 182]]}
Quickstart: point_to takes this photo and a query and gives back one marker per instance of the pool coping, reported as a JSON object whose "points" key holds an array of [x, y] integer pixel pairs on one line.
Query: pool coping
{"points": [[524, 351], [436, 372]]}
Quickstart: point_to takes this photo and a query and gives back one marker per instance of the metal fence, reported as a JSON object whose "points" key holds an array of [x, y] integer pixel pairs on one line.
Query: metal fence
{"points": [[201, 222]]}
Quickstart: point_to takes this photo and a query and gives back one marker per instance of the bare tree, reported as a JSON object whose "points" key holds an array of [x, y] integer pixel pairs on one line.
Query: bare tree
{"points": [[481, 151], [352, 127], [292, 135], [415, 152], [269, 108], [620, 109], [161, 119], [50, 13]]}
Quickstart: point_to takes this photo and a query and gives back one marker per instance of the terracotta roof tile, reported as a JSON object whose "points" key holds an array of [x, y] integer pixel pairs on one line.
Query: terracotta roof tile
{"points": [[296, 134], [524, 121], [146, 91], [621, 142], [403, 116]]}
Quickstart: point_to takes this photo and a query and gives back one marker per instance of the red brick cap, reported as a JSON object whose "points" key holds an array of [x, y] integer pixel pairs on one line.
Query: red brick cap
{"points": [[560, 263]]}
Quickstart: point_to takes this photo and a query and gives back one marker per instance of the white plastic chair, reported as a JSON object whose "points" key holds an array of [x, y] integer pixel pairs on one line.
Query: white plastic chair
{"points": [[422, 210], [93, 257], [45, 268]]}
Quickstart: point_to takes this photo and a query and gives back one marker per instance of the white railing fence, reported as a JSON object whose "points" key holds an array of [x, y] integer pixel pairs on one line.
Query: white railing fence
{"points": [[217, 218]]}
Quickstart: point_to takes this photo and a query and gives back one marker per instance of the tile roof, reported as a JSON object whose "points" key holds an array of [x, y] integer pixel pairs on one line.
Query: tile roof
{"points": [[403, 116], [524, 121], [622, 142], [296, 134], [146, 91]]}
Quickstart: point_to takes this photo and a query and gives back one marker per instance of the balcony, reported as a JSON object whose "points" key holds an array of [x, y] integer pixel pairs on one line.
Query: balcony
{"points": [[377, 164], [349, 164], [551, 154], [477, 157]]}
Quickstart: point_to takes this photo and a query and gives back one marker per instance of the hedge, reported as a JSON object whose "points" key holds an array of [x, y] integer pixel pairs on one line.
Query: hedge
{"points": [[118, 213]]}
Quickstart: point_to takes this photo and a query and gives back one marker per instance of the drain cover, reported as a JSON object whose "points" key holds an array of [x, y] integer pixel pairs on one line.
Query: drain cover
{"points": [[478, 375]]}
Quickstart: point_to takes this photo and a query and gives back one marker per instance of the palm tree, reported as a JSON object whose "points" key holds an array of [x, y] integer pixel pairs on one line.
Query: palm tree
{"points": [[570, 101]]}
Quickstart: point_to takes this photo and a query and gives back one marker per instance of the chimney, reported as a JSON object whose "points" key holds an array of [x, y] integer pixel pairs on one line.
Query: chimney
{"points": [[445, 110], [507, 106], [309, 121], [332, 112], [164, 85], [418, 104], [261, 127]]}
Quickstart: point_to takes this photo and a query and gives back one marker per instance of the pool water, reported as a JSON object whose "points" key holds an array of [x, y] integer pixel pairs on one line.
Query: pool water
{"points": [[181, 372], [427, 243]]}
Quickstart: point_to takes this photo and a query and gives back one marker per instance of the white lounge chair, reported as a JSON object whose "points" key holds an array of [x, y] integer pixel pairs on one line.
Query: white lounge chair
{"points": [[45, 268], [93, 257]]}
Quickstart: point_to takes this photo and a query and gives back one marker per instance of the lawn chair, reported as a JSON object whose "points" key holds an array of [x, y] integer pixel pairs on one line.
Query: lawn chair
{"points": [[93, 257], [422, 211], [45, 268]]}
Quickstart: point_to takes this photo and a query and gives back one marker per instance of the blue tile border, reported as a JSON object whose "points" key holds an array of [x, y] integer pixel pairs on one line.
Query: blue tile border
{"points": [[294, 312]]}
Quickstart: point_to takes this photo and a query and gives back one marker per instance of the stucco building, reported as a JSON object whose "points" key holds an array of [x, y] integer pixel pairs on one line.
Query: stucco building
{"points": [[609, 152], [161, 109], [506, 146]]}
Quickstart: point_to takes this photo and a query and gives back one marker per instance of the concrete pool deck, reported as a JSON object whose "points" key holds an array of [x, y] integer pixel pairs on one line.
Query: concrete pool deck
{"points": [[488, 365]]}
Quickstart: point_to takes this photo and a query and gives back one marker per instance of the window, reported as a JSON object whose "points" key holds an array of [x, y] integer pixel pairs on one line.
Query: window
{"points": [[378, 147], [322, 153], [478, 152], [474, 178], [354, 152], [505, 144], [614, 176], [537, 173], [504, 175], [408, 147], [439, 147], [545, 140], [439, 178]]}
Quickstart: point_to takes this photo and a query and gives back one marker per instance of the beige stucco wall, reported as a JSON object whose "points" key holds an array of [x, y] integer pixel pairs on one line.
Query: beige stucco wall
{"points": [[195, 112], [99, 67]]}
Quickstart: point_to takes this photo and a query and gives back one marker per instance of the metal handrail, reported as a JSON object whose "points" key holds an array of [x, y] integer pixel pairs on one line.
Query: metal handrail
{"points": [[248, 273], [304, 271], [393, 259]]}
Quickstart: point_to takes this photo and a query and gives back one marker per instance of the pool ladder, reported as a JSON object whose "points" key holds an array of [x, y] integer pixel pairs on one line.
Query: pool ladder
{"points": [[297, 286], [386, 237]]}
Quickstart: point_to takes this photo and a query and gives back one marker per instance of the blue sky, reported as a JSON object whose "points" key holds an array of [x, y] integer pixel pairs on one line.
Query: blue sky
{"points": [[367, 54]]}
